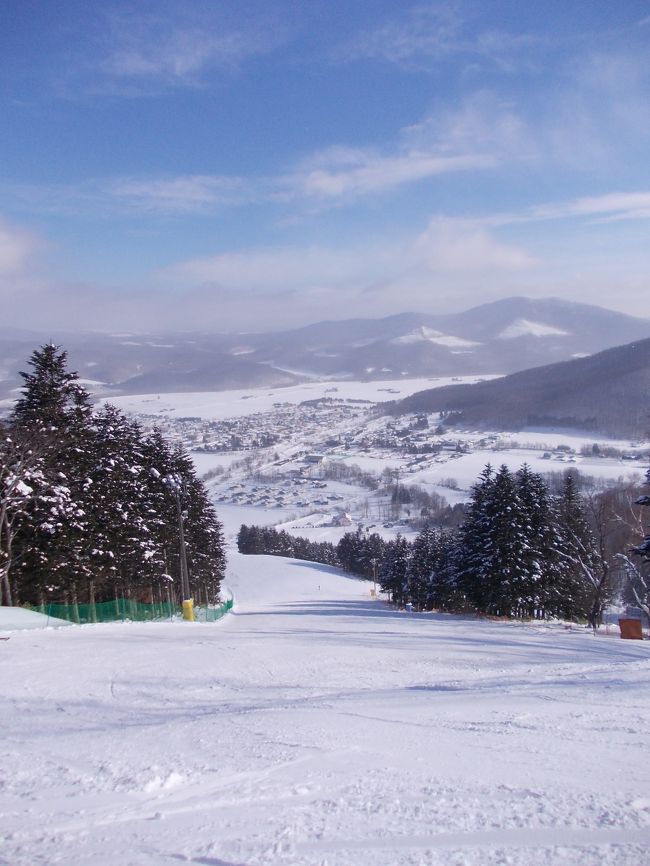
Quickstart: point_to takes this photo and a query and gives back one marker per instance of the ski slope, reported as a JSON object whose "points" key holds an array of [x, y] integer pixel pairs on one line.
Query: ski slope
{"points": [[317, 727]]}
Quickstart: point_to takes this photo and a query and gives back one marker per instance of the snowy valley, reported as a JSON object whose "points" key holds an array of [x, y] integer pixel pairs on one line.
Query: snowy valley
{"points": [[316, 724]]}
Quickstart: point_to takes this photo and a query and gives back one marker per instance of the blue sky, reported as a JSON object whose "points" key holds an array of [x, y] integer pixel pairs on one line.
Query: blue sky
{"points": [[230, 165]]}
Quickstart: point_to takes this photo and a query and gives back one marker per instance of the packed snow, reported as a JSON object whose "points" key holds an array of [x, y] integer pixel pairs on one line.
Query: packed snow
{"points": [[18, 619], [316, 726]]}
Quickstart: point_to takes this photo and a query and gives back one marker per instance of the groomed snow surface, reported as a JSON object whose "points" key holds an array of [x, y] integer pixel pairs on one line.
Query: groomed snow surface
{"points": [[317, 727]]}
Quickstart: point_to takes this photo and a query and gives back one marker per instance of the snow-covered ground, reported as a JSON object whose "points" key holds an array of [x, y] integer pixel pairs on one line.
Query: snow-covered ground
{"points": [[317, 727], [466, 468], [235, 403], [18, 619]]}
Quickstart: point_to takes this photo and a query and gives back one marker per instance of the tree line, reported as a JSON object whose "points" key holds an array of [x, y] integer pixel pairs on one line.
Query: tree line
{"points": [[91, 505], [521, 550]]}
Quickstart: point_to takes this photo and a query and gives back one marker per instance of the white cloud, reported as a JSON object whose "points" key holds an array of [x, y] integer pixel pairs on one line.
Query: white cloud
{"points": [[615, 206], [174, 56], [482, 122], [288, 268], [169, 195], [307, 283], [433, 32], [466, 247], [19, 249], [142, 49], [369, 173], [477, 136], [184, 194]]}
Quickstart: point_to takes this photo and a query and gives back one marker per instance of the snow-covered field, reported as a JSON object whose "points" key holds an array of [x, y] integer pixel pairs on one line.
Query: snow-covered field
{"points": [[231, 404], [317, 727], [466, 468]]}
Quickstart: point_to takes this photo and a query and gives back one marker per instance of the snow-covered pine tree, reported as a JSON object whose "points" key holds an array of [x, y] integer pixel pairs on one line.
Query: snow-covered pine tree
{"points": [[541, 534], [443, 591], [99, 518], [126, 553], [472, 538], [640, 585], [21, 474], [52, 394], [492, 566], [54, 413], [203, 531], [582, 585], [421, 567], [350, 551], [393, 570]]}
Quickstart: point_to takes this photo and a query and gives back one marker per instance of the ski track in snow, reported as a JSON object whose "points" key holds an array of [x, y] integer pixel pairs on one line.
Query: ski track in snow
{"points": [[317, 727]]}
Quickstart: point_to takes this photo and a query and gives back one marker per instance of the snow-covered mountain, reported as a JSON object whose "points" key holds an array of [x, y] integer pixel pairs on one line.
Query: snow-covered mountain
{"points": [[604, 393], [501, 337]]}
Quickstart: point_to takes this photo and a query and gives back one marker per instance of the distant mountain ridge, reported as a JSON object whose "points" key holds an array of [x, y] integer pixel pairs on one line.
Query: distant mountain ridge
{"points": [[604, 393], [500, 337]]}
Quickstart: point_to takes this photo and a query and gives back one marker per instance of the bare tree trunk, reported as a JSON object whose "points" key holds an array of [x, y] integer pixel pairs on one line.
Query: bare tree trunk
{"points": [[91, 601], [75, 602], [6, 587]]}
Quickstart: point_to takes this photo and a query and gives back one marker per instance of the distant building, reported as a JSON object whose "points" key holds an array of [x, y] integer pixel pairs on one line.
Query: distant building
{"points": [[342, 520]]}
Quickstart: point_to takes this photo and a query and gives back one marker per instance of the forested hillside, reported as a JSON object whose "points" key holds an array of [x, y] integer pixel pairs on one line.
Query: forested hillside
{"points": [[599, 393]]}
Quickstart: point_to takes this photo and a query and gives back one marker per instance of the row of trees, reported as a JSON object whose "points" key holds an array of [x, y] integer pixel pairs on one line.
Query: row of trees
{"points": [[274, 542], [520, 551], [91, 506]]}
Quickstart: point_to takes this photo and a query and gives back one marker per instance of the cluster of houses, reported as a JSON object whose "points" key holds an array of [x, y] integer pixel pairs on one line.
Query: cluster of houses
{"points": [[295, 492], [286, 422], [284, 449]]}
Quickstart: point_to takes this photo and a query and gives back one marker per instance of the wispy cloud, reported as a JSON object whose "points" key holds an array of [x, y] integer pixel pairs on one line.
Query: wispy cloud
{"points": [[430, 33], [609, 207], [181, 195], [289, 268], [329, 177], [150, 48], [145, 49], [297, 284], [477, 136], [446, 248], [178, 195]]}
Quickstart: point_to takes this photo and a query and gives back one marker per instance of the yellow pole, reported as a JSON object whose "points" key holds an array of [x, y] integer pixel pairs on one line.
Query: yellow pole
{"points": [[188, 609]]}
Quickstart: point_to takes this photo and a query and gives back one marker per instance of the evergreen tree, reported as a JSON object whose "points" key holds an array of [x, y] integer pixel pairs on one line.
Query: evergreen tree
{"points": [[21, 475], [539, 596], [393, 571], [492, 567], [583, 573], [431, 570], [422, 565], [640, 583], [99, 518], [52, 396]]}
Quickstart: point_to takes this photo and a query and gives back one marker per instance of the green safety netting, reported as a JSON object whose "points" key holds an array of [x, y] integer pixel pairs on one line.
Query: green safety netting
{"points": [[212, 614], [127, 609]]}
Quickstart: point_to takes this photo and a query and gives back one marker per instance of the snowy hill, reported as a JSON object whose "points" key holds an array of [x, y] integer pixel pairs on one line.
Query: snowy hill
{"points": [[315, 725], [603, 393], [500, 337]]}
